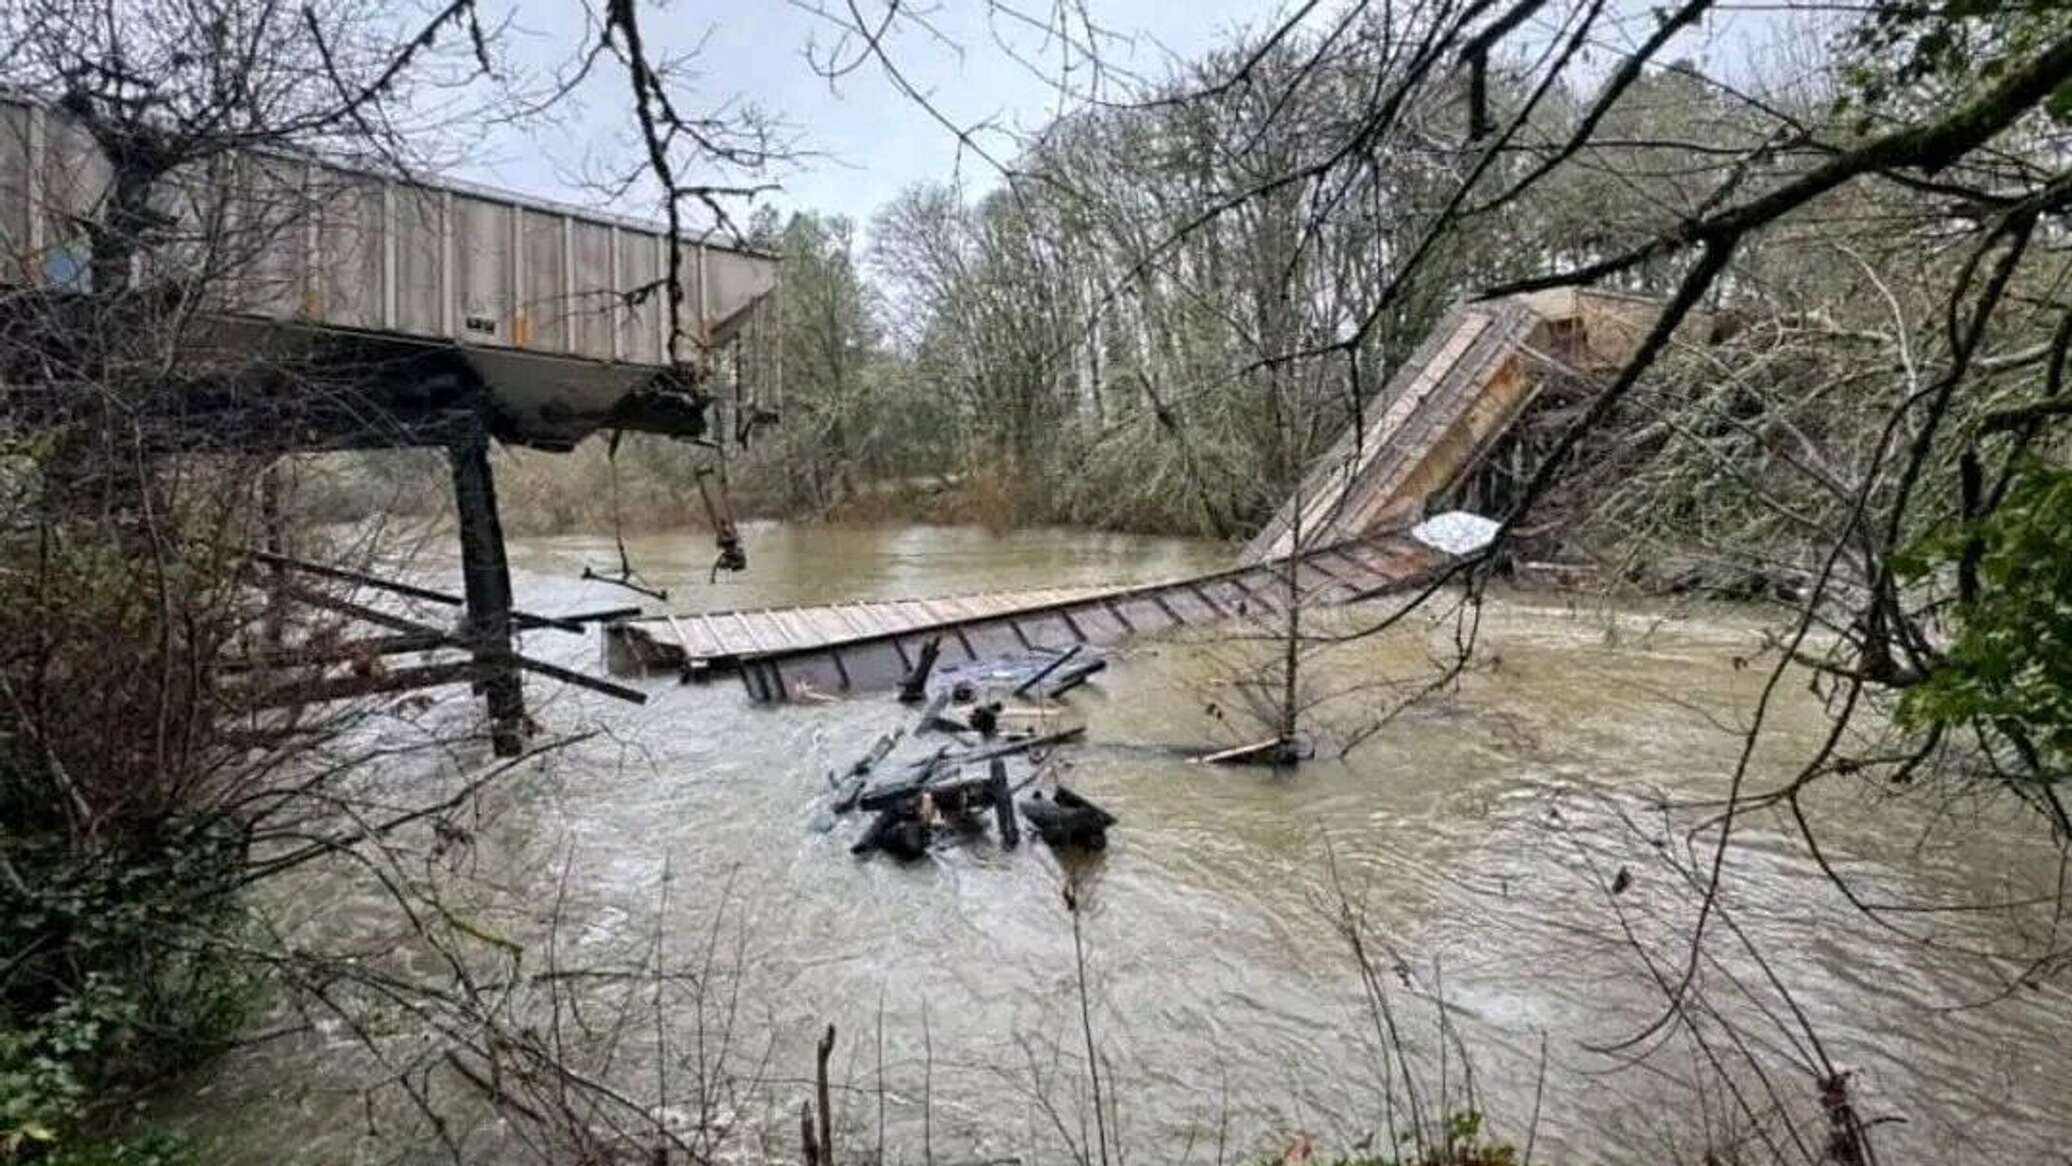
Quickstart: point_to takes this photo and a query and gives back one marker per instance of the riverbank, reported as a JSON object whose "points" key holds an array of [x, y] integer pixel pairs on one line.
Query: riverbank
{"points": [[652, 485]]}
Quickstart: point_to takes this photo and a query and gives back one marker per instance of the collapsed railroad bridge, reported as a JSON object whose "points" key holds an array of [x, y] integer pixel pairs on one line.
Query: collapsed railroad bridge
{"points": [[1444, 432], [366, 311]]}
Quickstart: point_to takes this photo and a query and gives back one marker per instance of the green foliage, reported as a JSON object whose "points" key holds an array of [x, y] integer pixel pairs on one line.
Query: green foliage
{"points": [[2010, 664], [141, 1150], [109, 982], [43, 1067]]}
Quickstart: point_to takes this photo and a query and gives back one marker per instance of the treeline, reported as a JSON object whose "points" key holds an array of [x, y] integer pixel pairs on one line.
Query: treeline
{"points": [[1158, 318], [1166, 309]]}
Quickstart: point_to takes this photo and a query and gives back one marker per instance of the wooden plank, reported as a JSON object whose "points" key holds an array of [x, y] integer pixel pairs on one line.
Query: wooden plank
{"points": [[768, 627], [841, 613], [326, 689], [715, 637], [813, 625], [777, 622], [1349, 565], [1316, 563], [339, 652], [1158, 598], [682, 641], [523, 619], [1050, 629], [1108, 605], [1009, 823], [1252, 752], [1096, 624], [1375, 559], [836, 622], [601, 615], [1255, 594], [831, 646], [916, 772], [790, 631], [971, 606], [1314, 580], [403, 624], [1037, 677], [802, 626], [748, 631], [1231, 595]]}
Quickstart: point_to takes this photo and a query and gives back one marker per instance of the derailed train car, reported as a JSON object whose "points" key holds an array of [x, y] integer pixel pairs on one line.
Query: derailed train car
{"points": [[557, 314]]}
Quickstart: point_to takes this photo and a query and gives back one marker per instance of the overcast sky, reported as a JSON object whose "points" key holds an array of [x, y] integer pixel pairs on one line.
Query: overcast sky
{"points": [[868, 141], [863, 141]]}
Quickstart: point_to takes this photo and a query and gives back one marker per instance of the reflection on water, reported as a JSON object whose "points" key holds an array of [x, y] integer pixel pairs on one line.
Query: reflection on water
{"points": [[1477, 833]]}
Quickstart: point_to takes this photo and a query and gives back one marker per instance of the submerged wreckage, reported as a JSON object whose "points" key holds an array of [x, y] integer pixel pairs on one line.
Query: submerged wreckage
{"points": [[1365, 523], [963, 783], [1443, 434]]}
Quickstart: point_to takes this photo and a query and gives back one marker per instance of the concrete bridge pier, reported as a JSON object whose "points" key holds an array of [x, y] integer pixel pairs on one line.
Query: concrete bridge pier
{"points": [[486, 574]]}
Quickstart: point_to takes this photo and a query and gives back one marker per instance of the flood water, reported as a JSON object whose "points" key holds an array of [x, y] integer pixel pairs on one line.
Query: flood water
{"points": [[1476, 833]]}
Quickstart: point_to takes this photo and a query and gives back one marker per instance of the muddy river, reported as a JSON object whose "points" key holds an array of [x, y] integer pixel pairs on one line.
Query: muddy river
{"points": [[1477, 836]]}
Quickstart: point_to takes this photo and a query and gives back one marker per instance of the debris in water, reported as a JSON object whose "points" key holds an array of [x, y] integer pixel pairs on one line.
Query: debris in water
{"points": [[915, 686], [963, 786], [1068, 820], [1040, 673], [1271, 751]]}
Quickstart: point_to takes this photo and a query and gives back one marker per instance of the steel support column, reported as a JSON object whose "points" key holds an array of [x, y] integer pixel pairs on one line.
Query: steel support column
{"points": [[487, 575]]}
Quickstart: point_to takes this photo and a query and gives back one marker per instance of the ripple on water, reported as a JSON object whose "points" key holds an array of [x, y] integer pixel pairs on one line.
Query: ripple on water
{"points": [[1476, 835]]}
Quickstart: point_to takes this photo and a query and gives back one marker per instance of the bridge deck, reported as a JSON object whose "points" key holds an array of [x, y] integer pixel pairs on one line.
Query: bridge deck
{"points": [[1444, 409], [1441, 412], [1412, 444], [782, 653]]}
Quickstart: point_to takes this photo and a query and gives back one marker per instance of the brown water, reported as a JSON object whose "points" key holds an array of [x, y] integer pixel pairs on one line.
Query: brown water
{"points": [[1477, 830]]}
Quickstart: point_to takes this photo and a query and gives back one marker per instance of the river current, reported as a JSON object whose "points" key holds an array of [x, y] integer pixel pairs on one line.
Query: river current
{"points": [[1477, 835]]}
